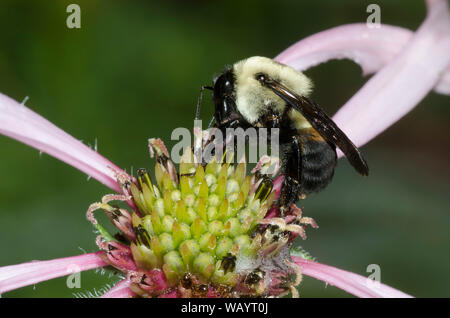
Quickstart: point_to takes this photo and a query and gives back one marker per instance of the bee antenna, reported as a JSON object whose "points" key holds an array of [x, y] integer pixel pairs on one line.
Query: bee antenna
{"points": [[211, 122], [199, 102]]}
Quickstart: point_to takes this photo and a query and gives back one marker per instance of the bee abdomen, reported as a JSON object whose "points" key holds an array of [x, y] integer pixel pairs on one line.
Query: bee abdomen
{"points": [[318, 160]]}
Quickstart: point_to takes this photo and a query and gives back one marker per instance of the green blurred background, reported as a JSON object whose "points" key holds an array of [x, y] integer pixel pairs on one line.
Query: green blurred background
{"points": [[133, 71]]}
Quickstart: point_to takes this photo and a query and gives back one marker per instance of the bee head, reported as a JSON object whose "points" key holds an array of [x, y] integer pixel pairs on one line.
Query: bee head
{"points": [[224, 96], [253, 100]]}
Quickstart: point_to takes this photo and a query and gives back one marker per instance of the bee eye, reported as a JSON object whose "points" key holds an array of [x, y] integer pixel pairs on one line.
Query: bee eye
{"points": [[261, 77]]}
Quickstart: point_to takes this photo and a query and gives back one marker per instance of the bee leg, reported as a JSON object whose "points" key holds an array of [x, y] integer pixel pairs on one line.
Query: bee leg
{"points": [[211, 145], [288, 195], [231, 139], [291, 187]]}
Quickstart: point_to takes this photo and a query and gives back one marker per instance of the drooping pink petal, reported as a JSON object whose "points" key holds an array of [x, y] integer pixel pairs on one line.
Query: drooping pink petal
{"points": [[120, 290], [16, 276], [371, 48], [403, 83], [354, 284], [20, 123]]}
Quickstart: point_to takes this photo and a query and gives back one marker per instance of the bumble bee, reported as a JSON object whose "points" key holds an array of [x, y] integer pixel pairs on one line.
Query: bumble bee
{"points": [[259, 92]]}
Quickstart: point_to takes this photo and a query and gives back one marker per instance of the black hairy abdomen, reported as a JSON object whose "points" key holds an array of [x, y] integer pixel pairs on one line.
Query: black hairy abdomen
{"points": [[318, 160], [310, 162]]}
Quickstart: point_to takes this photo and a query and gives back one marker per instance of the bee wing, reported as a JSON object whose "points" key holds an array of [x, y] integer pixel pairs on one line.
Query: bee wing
{"points": [[320, 121]]}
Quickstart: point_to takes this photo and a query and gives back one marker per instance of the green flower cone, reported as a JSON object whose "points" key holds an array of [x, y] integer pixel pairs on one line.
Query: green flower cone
{"points": [[202, 231]]}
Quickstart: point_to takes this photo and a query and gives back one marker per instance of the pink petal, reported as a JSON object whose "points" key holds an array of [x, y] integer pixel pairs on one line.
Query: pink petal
{"points": [[120, 290], [16, 276], [371, 48], [22, 124], [354, 284], [402, 84]]}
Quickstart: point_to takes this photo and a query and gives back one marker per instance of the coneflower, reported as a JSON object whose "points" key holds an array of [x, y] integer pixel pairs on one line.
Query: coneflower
{"points": [[213, 230], [203, 231]]}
